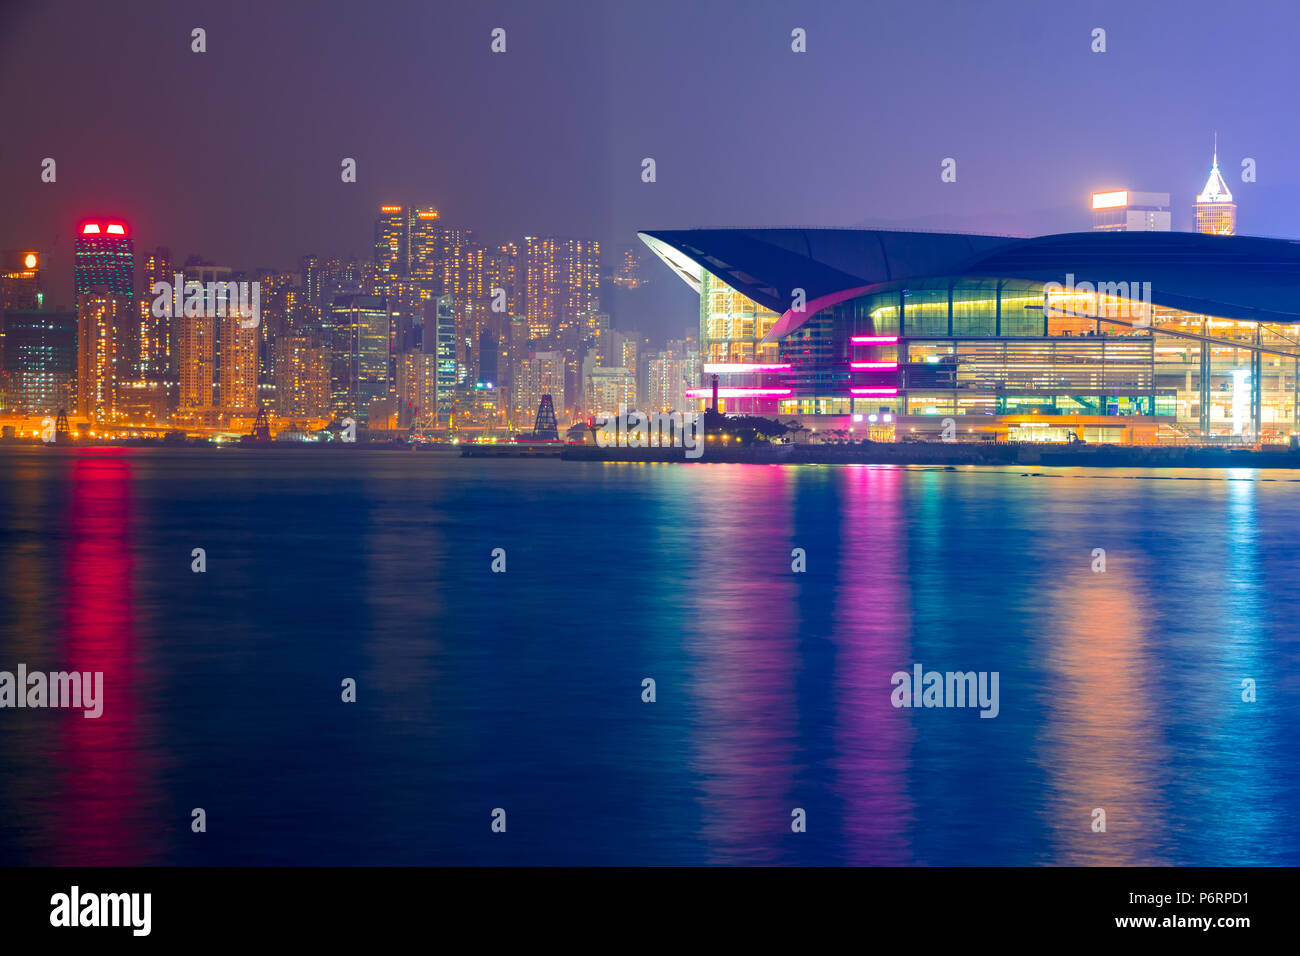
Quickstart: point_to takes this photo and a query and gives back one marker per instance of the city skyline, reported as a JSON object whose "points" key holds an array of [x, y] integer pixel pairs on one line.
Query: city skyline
{"points": [[565, 155], [515, 311]]}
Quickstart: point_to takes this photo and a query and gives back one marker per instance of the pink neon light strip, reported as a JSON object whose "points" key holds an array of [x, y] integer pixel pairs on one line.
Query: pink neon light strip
{"points": [[738, 391], [730, 368], [881, 365], [873, 339], [873, 391]]}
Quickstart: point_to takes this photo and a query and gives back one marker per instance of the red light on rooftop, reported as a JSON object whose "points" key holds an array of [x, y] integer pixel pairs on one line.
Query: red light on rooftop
{"points": [[90, 228], [116, 229]]}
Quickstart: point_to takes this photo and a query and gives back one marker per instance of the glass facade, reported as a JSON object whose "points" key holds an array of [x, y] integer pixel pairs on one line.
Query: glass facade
{"points": [[984, 346], [733, 325]]}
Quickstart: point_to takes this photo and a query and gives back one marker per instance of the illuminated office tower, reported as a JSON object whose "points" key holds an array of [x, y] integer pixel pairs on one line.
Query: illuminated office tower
{"points": [[20, 279], [563, 283], [359, 352], [1216, 213], [391, 250], [439, 341], [103, 321], [1124, 210], [423, 242], [104, 258], [155, 330], [38, 362]]}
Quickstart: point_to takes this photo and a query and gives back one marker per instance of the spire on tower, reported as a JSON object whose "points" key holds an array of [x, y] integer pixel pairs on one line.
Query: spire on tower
{"points": [[1216, 190]]}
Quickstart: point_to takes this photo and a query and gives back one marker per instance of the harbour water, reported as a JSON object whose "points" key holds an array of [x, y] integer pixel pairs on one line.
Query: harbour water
{"points": [[1120, 689]]}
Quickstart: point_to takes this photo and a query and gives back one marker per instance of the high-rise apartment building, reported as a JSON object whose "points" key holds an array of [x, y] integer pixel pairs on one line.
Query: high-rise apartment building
{"points": [[563, 284], [103, 329], [237, 368], [542, 373], [669, 373], [155, 330], [608, 388], [302, 378]]}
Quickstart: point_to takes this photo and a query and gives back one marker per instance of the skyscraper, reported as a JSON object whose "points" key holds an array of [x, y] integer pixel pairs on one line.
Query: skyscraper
{"points": [[391, 246], [104, 257], [359, 328], [423, 243], [439, 340], [1216, 213]]}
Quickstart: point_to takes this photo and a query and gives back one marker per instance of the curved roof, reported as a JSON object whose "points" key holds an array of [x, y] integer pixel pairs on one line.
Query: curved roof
{"points": [[1232, 277]]}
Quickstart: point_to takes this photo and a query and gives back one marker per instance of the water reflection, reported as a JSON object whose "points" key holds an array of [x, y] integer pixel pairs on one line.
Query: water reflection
{"points": [[873, 624], [1120, 690], [104, 783], [1102, 740], [741, 684]]}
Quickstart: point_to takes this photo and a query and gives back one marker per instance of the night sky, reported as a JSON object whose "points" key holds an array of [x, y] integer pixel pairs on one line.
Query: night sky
{"points": [[234, 154]]}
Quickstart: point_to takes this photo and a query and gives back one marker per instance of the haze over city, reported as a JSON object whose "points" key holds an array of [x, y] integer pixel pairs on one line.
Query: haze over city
{"points": [[234, 154]]}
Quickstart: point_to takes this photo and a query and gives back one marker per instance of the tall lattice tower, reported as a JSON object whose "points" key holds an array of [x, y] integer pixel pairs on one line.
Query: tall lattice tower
{"points": [[546, 426]]}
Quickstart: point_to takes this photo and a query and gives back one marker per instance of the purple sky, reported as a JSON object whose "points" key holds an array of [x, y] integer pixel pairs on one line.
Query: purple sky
{"points": [[234, 154]]}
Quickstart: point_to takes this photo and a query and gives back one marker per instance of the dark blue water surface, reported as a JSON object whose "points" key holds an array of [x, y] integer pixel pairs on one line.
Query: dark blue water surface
{"points": [[1119, 690]]}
